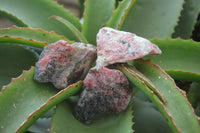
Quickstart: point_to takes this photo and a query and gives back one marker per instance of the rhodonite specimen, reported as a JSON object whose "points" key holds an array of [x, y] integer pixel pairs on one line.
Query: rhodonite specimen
{"points": [[118, 46], [106, 90], [64, 64]]}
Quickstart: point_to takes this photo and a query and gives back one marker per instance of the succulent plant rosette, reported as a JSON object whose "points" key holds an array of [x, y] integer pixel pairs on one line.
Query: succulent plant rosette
{"points": [[104, 75]]}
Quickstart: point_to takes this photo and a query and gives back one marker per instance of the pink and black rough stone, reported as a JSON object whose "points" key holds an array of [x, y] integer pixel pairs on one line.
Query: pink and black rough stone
{"points": [[64, 64], [106, 91], [118, 46]]}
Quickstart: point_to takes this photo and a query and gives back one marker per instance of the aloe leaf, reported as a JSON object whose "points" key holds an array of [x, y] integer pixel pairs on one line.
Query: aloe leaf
{"points": [[29, 42], [23, 94], [148, 119], [13, 18], [40, 126], [179, 120], [96, 14], [188, 19], [36, 13], [185, 120], [153, 18], [194, 94], [179, 58], [52, 101], [14, 59], [119, 14], [63, 120], [32, 34], [76, 32], [132, 76], [196, 32], [148, 83], [21, 98]]}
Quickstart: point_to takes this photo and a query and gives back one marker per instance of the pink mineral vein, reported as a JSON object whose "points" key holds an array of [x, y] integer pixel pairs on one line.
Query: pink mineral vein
{"points": [[115, 46], [63, 64], [105, 91]]}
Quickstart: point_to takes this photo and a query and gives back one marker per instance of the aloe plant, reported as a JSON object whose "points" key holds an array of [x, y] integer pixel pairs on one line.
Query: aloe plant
{"points": [[157, 104]]}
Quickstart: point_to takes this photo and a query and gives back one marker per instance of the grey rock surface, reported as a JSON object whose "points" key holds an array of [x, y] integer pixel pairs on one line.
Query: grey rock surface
{"points": [[63, 64]]}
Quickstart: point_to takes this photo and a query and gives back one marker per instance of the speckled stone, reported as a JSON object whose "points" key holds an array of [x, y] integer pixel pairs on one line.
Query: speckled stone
{"points": [[64, 64], [115, 46], [106, 90]]}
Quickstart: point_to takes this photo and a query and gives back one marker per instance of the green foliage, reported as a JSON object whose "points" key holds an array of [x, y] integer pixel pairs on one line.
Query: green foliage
{"points": [[76, 32], [153, 18], [29, 33], [14, 59], [32, 37], [185, 120], [168, 90], [20, 99], [194, 94], [23, 94], [168, 109], [188, 19], [36, 13], [63, 119], [179, 58], [13, 18], [152, 119], [119, 14], [96, 14]]}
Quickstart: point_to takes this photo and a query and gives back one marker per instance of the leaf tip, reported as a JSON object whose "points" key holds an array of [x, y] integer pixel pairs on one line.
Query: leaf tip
{"points": [[52, 17], [13, 27], [84, 3], [119, 2]]}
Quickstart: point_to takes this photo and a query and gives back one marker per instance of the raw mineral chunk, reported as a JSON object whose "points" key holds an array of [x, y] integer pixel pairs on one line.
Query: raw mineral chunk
{"points": [[118, 46], [106, 90], [64, 64]]}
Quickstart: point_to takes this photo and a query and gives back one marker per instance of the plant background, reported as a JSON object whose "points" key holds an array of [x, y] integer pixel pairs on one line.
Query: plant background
{"points": [[142, 117], [43, 125], [71, 5]]}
